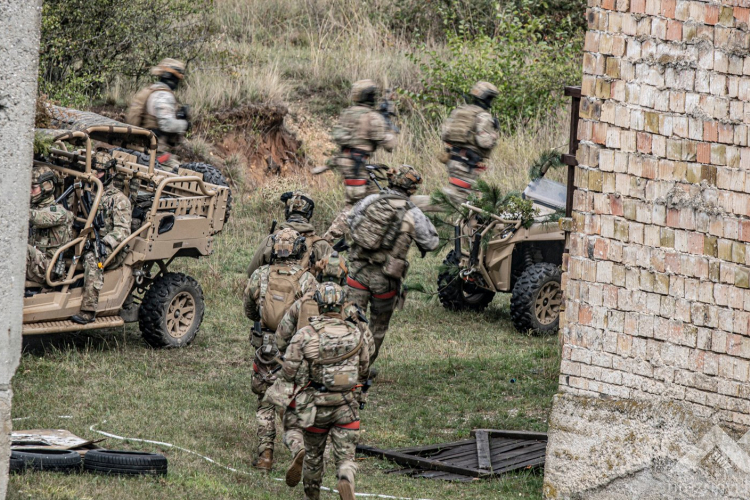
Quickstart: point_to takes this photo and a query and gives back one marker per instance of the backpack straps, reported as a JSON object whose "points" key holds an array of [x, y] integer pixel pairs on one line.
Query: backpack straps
{"points": [[343, 357]]}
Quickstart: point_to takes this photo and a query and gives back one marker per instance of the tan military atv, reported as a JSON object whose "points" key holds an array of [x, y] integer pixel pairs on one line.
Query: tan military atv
{"points": [[179, 215]]}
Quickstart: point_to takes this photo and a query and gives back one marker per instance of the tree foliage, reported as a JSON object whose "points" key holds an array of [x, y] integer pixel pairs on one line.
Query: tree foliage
{"points": [[85, 43]]}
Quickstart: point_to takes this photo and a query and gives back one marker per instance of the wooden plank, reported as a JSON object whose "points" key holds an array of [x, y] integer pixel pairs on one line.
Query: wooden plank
{"points": [[418, 450], [424, 463], [510, 458], [495, 433], [483, 451]]}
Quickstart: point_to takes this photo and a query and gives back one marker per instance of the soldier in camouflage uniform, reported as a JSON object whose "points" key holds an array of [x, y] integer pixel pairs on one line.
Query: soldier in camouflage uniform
{"points": [[288, 248], [50, 225], [113, 219], [330, 358], [361, 130], [156, 109], [375, 274], [470, 134], [298, 212]]}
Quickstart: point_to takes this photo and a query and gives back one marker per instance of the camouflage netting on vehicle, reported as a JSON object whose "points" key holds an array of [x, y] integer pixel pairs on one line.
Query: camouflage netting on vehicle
{"points": [[74, 119]]}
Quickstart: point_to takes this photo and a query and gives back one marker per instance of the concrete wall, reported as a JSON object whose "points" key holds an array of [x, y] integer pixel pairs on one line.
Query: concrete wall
{"points": [[654, 392], [19, 53]]}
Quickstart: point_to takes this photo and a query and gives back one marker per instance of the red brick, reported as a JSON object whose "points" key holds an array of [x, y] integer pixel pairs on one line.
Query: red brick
{"points": [[673, 217], [599, 134], [704, 152], [745, 230], [615, 203], [695, 243], [712, 14], [585, 314], [600, 248], [644, 143], [742, 15], [710, 131], [638, 6], [668, 7], [608, 4], [674, 30]]}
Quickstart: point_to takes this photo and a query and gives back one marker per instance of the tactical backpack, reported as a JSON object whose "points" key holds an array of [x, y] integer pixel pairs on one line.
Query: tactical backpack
{"points": [[310, 241], [339, 352], [460, 127], [348, 132], [137, 114], [378, 226], [282, 290]]}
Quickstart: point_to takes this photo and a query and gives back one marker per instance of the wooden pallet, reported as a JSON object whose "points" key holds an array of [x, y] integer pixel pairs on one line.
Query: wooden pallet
{"points": [[488, 453]]}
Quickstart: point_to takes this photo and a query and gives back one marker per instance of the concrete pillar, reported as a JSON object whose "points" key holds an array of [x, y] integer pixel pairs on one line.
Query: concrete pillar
{"points": [[19, 53]]}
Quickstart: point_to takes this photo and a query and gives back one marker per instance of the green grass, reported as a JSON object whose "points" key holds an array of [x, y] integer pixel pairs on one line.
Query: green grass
{"points": [[441, 375]]}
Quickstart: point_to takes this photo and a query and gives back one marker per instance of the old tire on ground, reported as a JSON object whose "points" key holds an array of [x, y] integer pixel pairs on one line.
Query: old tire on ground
{"points": [[16, 464], [125, 462], [45, 460], [457, 295], [171, 311], [212, 175], [536, 299]]}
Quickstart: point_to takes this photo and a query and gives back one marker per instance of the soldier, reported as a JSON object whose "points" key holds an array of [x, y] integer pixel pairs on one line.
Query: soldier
{"points": [[269, 293], [50, 225], [329, 358], [361, 130], [298, 212], [383, 227], [470, 134], [156, 109], [111, 227]]}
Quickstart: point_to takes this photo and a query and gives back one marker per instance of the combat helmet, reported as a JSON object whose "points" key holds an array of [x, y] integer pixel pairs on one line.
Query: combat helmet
{"points": [[171, 67], [405, 178], [45, 178], [330, 297], [335, 269], [298, 202], [365, 92], [483, 93], [104, 162], [287, 244]]}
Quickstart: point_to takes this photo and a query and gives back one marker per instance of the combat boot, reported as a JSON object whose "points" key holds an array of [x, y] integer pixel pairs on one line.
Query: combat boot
{"points": [[346, 489], [84, 317], [294, 472], [265, 460]]}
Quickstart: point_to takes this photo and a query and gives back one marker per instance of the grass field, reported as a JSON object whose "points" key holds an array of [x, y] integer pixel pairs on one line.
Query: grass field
{"points": [[441, 375]]}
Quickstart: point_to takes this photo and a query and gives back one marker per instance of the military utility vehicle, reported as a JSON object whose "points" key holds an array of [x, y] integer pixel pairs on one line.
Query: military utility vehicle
{"points": [[174, 215]]}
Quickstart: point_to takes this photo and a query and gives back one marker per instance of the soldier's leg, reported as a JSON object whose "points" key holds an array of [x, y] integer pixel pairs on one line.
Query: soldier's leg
{"points": [[312, 471], [384, 295], [93, 280], [294, 439], [461, 180], [344, 439], [36, 265], [265, 421]]}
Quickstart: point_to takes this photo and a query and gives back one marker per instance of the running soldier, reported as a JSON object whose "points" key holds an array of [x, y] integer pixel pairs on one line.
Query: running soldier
{"points": [[50, 225], [470, 134], [269, 293], [111, 227], [383, 227], [329, 358], [156, 109], [298, 211], [361, 130]]}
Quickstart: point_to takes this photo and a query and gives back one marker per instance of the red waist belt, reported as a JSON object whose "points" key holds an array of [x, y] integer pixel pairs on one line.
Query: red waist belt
{"points": [[163, 158], [355, 182], [359, 286], [460, 183], [318, 430]]}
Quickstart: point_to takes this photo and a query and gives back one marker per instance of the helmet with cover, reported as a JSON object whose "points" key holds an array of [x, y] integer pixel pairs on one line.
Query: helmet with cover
{"points": [[104, 162], [404, 178], [170, 71], [365, 92], [45, 179], [298, 202], [330, 297], [288, 244], [483, 94]]}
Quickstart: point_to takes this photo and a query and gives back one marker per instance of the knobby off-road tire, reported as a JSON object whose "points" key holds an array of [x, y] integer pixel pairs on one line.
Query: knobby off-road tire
{"points": [[536, 299], [212, 175], [125, 462], [45, 460], [171, 311], [457, 295]]}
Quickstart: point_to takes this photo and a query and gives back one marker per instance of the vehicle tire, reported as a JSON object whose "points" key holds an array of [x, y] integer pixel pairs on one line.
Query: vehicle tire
{"points": [[171, 311], [536, 299], [125, 462], [212, 175], [457, 295], [45, 460]]}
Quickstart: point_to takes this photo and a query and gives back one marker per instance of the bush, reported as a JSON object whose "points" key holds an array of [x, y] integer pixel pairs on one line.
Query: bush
{"points": [[529, 59], [85, 43]]}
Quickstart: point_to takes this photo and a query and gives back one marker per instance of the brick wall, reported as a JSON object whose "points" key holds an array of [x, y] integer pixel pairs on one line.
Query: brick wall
{"points": [[658, 278]]}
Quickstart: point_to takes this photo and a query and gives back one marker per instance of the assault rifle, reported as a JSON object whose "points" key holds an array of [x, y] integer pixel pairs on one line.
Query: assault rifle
{"points": [[387, 108], [100, 249], [372, 172]]}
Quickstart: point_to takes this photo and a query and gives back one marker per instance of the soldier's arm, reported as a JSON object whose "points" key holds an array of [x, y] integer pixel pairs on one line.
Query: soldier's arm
{"points": [[486, 131], [164, 107], [368, 349], [46, 218], [379, 132], [262, 255], [425, 234], [307, 283], [121, 218], [288, 325], [251, 296], [294, 356]]}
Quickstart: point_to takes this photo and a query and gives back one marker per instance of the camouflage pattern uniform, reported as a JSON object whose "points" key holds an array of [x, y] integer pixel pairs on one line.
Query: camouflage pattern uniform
{"points": [[298, 214], [335, 413], [361, 130], [470, 134], [50, 226], [368, 281], [156, 109], [116, 212], [254, 293]]}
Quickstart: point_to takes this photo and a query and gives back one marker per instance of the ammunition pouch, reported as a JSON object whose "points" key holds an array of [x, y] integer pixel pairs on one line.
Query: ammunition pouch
{"points": [[395, 268], [256, 335], [358, 156]]}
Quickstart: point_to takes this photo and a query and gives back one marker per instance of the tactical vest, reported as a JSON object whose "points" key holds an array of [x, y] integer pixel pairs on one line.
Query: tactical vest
{"points": [[308, 309], [379, 226], [49, 239], [459, 129], [352, 129], [282, 290], [339, 351], [138, 114]]}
